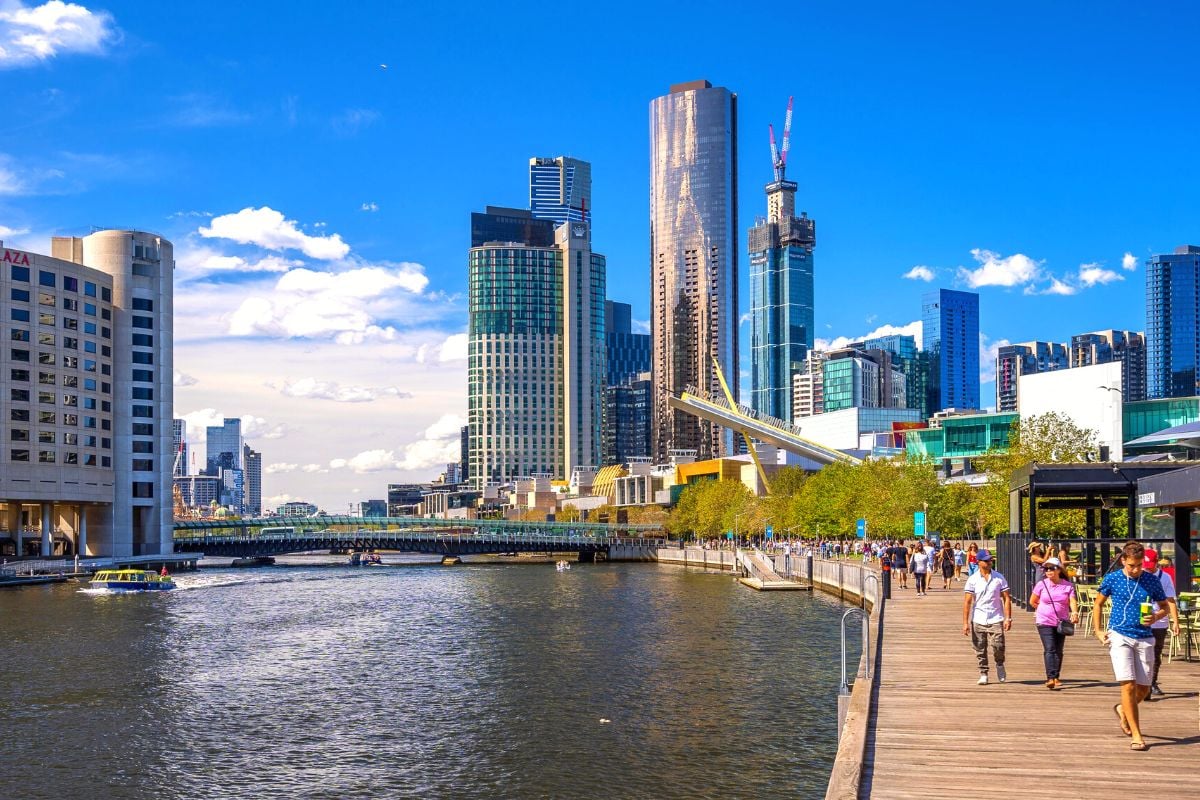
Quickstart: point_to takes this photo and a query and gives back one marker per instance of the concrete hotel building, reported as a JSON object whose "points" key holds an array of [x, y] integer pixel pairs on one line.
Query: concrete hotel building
{"points": [[536, 347], [1025, 358], [86, 373], [693, 259]]}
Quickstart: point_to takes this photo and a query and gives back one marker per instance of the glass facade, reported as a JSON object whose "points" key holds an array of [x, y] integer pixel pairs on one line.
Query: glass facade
{"points": [[535, 358], [693, 259], [961, 437], [627, 420], [628, 352], [908, 359], [560, 189], [950, 329], [781, 307], [1173, 323], [1151, 416]]}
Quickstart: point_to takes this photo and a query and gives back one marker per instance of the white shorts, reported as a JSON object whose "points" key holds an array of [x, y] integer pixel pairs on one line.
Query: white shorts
{"points": [[1132, 659]]}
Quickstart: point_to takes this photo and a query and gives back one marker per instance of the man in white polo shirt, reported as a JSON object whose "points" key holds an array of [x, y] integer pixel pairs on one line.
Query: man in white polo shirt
{"points": [[987, 614]]}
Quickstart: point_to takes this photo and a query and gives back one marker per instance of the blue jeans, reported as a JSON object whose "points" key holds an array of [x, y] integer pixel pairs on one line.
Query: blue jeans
{"points": [[1052, 649]]}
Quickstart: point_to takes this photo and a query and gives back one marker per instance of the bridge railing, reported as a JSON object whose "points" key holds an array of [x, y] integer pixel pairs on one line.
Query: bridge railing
{"points": [[516, 539]]}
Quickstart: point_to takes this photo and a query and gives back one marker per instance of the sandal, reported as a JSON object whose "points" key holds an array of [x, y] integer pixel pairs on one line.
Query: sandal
{"points": [[1138, 746], [1125, 729]]}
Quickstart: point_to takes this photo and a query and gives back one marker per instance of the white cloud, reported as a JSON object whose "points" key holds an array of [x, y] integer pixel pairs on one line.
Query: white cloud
{"points": [[996, 270], [324, 390], [195, 263], [438, 446], [353, 120], [345, 306], [1056, 287], [912, 329], [919, 273], [454, 348], [7, 231], [369, 207], [1092, 274], [1128, 262], [312, 468], [272, 469], [258, 428], [267, 228], [183, 379], [252, 427], [367, 461], [987, 357], [275, 501], [640, 325], [30, 35]]}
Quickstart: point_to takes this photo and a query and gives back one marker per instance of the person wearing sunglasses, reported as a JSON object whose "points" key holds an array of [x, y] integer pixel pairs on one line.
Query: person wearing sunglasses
{"points": [[1055, 602]]}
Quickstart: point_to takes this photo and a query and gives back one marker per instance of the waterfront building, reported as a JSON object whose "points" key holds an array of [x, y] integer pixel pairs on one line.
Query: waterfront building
{"points": [[1168, 426], [781, 292], [856, 428], [1173, 323], [950, 333], [808, 386], [628, 353], [693, 259], [560, 190], [86, 376], [1025, 358], [627, 420], [863, 379], [252, 461], [1103, 347], [296, 508], [909, 360], [371, 508], [960, 436], [536, 350], [179, 448], [404, 499]]}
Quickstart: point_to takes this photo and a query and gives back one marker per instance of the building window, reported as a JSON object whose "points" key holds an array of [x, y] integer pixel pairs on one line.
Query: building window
{"points": [[47, 417], [145, 323], [105, 461], [106, 294], [143, 358], [71, 438], [49, 359], [46, 398], [142, 304], [19, 435], [19, 375], [46, 339], [89, 346], [46, 378], [143, 489], [70, 458], [19, 335], [106, 424], [143, 429], [70, 419], [46, 456], [140, 446], [143, 393], [45, 299], [70, 284], [45, 278], [45, 437], [89, 459], [144, 375], [20, 455], [20, 274], [143, 411], [18, 315], [45, 319], [89, 422], [89, 288], [20, 295], [143, 465], [143, 340], [19, 355], [70, 304], [70, 323], [89, 328], [19, 395], [89, 309]]}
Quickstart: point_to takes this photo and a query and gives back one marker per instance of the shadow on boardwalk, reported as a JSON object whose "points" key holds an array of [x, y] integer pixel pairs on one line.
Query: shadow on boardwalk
{"points": [[934, 733]]}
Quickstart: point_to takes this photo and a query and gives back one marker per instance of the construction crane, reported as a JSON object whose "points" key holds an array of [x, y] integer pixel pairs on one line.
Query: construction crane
{"points": [[779, 157]]}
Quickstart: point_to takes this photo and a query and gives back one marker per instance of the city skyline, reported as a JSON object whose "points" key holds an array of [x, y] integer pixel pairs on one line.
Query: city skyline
{"points": [[335, 318]]}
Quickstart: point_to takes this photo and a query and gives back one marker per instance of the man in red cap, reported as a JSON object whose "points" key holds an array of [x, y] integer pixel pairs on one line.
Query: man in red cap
{"points": [[1159, 629]]}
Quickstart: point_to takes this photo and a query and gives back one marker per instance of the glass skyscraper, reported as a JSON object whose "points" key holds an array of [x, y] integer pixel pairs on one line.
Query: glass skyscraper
{"points": [[1103, 347], [560, 189], [950, 329], [535, 351], [693, 259], [908, 359], [781, 300], [1026, 358], [628, 352], [1173, 323]]}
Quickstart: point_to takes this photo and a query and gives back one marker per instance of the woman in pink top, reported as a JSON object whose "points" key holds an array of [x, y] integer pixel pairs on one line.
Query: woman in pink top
{"points": [[1054, 600]]}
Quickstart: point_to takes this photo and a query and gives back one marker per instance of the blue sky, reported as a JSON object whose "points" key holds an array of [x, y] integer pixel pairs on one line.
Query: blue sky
{"points": [[1057, 140]]}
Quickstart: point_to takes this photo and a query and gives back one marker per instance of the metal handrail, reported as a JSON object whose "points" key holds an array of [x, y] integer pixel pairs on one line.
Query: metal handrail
{"points": [[865, 670]]}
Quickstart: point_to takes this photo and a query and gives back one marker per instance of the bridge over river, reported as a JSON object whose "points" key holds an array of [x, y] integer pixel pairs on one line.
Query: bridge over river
{"points": [[247, 538]]}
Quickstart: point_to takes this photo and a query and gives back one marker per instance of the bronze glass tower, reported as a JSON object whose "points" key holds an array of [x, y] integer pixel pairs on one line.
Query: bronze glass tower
{"points": [[693, 259]]}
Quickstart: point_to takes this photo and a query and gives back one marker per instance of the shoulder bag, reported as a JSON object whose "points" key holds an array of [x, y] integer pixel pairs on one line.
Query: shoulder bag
{"points": [[1064, 626]]}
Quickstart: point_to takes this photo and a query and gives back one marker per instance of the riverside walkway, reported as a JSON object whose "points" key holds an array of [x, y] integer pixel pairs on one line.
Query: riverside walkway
{"points": [[933, 733]]}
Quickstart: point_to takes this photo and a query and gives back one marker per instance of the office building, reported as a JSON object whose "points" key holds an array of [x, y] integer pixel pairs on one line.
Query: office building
{"points": [[909, 360], [1173, 323], [535, 351], [560, 190], [781, 292], [223, 446], [1103, 347], [857, 378], [252, 465], [950, 330], [86, 376], [499, 224], [296, 508], [628, 353], [464, 454], [179, 448], [693, 259], [1025, 358], [627, 420]]}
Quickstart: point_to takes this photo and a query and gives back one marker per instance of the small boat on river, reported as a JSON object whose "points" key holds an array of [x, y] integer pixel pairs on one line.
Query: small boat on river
{"points": [[131, 580], [562, 566], [365, 560]]}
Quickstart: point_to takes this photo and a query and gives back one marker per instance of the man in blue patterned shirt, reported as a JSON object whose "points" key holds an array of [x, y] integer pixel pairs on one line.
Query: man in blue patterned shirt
{"points": [[1129, 638]]}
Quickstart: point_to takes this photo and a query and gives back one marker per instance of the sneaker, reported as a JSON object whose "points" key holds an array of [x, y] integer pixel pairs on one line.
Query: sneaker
{"points": [[983, 679], [1156, 692], [1000, 673]]}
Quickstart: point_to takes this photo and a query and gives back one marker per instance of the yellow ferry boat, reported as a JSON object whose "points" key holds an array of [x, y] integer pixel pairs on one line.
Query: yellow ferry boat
{"points": [[131, 580]]}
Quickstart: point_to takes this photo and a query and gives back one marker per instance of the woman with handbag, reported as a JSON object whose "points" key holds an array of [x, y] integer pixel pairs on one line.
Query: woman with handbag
{"points": [[1057, 609]]}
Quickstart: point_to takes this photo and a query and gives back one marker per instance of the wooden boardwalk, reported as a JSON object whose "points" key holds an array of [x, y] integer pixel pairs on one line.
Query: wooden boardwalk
{"points": [[934, 733]]}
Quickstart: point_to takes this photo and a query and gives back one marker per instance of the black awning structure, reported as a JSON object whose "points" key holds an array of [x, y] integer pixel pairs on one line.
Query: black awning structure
{"points": [[1179, 488]]}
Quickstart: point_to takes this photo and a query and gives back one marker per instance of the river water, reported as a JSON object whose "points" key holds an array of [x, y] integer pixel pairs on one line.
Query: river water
{"points": [[474, 681]]}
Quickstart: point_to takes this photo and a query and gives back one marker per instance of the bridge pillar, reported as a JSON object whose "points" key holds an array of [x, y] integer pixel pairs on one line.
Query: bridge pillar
{"points": [[587, 557], [47, 542], [81, 532]]}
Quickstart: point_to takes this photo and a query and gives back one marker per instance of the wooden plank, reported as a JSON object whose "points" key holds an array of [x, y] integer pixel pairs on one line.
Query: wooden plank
{"points": [[935, 733]]}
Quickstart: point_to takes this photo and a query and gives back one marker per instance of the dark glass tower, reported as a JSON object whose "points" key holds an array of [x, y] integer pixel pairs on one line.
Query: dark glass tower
{"points": [[950, 329], [1173, 323], [693, 259]]}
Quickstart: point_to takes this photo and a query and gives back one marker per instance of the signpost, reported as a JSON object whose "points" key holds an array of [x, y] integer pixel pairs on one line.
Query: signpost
{"points": [[770, 532], [919, 524], [861, 529]]}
